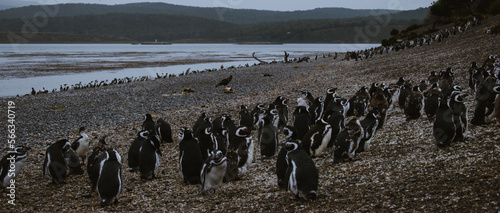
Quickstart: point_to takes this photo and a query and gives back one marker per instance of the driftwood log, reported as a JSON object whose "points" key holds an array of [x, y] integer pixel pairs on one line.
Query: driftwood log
{"points": [[261, 61]]}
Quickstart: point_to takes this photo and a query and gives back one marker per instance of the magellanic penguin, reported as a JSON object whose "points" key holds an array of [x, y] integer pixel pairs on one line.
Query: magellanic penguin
{"points": [[213, 171], [317, 109], [348, 141], [73, 162], [359, 102], [109, 184], [149, 157], [316, 140], [281, 165], [18, 158], [369, 124], [444, 129], [164, 131], [414, 104], [239, 154], [403, 94], [497, 106], [206, 141], [149, 124], [485, 101], [281, 104], [81, 144], [256, 113], [94, 162], [54, 164], [380, 104], [190, 160], [301, 173], [135, 149], [245, 118], [302, 121], [268, 138], [460, 117], [432, 99], [203, 119]]}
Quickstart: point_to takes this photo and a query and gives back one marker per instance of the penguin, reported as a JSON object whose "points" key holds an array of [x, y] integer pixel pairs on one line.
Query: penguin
{"points": [[335, 118], [369, 125], [380, 104], [224, 122], [485, 101], [459, 110], [165, 131], [239, 154], [446, 81], [497, 106], [405, 91], [359, 102], [433, 78], [401, 82], [422, 86], [348, 141], [268, 138], [302, 121], [472, 69], [54, 164], [135, 150], [206, 140], [432, 99], [317, 109], [281, 165], [414, 104], [444, 129], [81, 144], [190, 160], [245, 118], [306, 98], [149, 157], [202, 119], [256, 113], [94, 162], [317, 138], [109, 183], [282, 106], [18, 158], [301, 173], [330, 96], [148, 124], [212, 172], [73, 162]]}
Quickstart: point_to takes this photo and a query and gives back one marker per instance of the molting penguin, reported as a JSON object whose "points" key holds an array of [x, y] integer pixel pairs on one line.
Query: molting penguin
{"points": [[414, 104], [268, 138], [432, 99], [149, 157], [369, 125], [403, 94], [18, 158], [81, 144], [148, 124], [164, 131], [380, 105], [302, 121], [73, 162], [316, 140], [444, 129], [97, 156], [109, 184], [459, 110], [359, 102], [301, 173], [54, 164], [190, 160], [239, 154], [135, 150], [348, 141], [213, 171]]}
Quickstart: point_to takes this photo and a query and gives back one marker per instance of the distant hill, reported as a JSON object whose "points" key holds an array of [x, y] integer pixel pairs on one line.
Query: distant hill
{"points": [[239, 16]]}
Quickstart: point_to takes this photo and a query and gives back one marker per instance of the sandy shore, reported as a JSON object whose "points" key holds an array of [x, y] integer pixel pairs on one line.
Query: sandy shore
{"points": [[405, 170]]}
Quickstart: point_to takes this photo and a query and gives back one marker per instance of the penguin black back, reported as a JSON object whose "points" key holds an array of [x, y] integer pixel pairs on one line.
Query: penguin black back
{"points": [[149, 157], [109, 184], [444, 129], [148, 124], [164, 131], [134, 150], [301, 173], [190, 160], [54, 164]]}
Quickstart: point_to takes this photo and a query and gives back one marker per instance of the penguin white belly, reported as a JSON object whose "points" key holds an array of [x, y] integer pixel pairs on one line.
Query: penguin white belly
{"points": [[292, 182], [327, 135]]}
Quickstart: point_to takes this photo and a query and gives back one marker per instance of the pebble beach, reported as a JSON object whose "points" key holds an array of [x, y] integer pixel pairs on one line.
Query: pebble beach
{"points": [[404, 170]]}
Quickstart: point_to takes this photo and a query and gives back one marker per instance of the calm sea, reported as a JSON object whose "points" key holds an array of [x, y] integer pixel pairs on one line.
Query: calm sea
{"points": [[23, 66]]}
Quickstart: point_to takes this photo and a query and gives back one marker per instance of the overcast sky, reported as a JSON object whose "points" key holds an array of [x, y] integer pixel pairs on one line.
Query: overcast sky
{"points": [[283, 5]]}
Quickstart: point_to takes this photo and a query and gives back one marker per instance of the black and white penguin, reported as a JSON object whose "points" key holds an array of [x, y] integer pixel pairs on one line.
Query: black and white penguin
{"points": [[444, 129], [149, 124], [202, 119], [403, 94], [305, 99], [317, 109], [432, 99], [423, 85], [348, 141], [460, 117], [281, 165], [190, 160], [224, 122], [81, 144], [268, 138], [18, 158], [316, 140], [433, 78], [239, 154], [497, 106], [245, 118], [73, 162], [331, 94], [414, 104], [302, 121], [335, 118], [164, 131], [109, 183], [256, 113], [94, 162], [213, 171], [135, 150], [369, 125], [380, 104], [485, 101], [301, 173], [149, 157], [359, 102], [282, 106], [54, 164]]}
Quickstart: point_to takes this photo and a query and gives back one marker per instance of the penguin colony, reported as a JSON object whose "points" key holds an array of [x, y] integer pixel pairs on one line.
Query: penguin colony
{"points": [[436, 97]]}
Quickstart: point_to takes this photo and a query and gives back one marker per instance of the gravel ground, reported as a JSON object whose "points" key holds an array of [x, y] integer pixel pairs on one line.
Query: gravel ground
{"points": [[404, 171]]}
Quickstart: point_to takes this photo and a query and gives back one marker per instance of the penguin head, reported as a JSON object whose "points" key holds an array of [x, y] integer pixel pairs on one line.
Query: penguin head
{"points": [[185, 133], [289, 132], [243, 108], [208, 130], [496, 89], [143, 134], [243, 131], [291, 145], [64, 145], [148, 117], [217, 157], [274, 112], [331, 91], [113, 155], [82, 129]]}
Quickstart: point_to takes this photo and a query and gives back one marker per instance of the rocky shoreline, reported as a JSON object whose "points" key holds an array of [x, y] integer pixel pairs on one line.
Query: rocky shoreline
{"points": [[404, 171]]}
